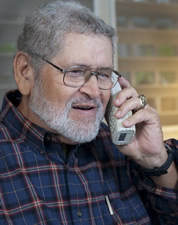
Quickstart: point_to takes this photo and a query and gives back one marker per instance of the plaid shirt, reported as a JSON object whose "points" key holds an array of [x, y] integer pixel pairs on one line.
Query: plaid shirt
{"points": [[94, 185]]}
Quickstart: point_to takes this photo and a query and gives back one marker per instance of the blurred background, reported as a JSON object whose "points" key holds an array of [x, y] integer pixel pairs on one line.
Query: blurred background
{"points": [[147, 51]]}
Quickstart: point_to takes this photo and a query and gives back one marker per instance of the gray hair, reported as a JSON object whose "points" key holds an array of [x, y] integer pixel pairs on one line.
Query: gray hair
{"points": [[44, 30]]}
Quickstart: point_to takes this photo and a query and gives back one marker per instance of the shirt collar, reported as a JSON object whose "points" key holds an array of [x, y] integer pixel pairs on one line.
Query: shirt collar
{"points": [[19, 125]]}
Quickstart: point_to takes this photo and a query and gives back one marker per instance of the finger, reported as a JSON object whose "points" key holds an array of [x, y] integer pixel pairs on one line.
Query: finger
{"points": [[147, 115], [124, 95], [123, 82], [132, 104]]}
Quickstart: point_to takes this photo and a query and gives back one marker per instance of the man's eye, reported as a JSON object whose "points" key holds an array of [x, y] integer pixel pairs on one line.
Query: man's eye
{"points": [[75, 72], [104, 76]]}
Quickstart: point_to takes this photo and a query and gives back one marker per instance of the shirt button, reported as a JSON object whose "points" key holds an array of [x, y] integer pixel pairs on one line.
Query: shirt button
{"points": [[79, 213], [42, 152]]}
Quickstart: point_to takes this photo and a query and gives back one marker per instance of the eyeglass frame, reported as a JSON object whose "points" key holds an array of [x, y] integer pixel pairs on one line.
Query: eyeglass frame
{"points": [[92, 73]]}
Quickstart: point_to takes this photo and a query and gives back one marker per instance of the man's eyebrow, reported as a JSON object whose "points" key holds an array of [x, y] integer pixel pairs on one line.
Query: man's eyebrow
{"points": [[106, 68], [69, 65], [89, 66]]}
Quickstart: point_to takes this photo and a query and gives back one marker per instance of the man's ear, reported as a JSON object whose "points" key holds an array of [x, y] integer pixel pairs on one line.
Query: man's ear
{"points": [[23, 73]]}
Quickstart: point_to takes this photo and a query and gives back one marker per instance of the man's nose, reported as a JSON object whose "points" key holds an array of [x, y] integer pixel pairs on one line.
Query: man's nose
{"points": [[91, 87]]}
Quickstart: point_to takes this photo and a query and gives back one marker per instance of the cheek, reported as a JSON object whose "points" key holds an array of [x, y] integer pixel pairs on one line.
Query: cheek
{"points": [[52, 83], [53, 89], [58, 94]]}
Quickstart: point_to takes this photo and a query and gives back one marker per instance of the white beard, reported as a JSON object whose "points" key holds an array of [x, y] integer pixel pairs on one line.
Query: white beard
{"points": [[58, 120]]}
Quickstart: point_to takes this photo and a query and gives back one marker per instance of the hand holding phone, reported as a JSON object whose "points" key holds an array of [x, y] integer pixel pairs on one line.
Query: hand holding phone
{"points": [[120, 135]]}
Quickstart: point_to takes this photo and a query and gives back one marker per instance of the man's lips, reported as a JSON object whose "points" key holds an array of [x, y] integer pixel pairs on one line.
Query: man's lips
{"points": [[84, 107]]}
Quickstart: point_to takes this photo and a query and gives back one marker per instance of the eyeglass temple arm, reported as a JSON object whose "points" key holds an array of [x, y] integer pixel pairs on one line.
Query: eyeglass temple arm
{"points": [[58, 68], [118, 74], [42, 58]]}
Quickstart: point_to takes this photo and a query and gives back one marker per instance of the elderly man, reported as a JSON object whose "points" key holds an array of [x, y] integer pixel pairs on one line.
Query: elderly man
{"points": [[58, 164]]}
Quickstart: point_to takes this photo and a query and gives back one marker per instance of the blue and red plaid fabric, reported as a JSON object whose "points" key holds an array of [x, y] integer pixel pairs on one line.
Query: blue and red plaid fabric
{"points": [[40, 185]]}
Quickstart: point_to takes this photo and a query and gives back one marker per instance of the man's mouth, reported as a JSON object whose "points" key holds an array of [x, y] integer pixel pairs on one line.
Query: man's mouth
{"points": [[83, 107]]}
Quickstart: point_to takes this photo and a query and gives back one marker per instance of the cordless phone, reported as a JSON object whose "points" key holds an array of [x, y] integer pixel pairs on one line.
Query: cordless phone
{"points": [[120, 135]]}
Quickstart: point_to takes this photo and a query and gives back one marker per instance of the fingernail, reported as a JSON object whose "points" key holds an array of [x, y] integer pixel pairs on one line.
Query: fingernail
{"points": [[117, 101], [118, 113], [126, 122]]}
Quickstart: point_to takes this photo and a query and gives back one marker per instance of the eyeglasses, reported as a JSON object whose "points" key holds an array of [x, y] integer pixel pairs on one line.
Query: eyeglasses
{"points": [[76, 76]]}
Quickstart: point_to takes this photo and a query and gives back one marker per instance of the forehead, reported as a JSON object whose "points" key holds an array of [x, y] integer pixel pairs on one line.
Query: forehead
{"points": [[91, 50]]}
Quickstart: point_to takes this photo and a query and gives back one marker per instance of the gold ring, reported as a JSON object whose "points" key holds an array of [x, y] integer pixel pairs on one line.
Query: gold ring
{"points": [[143, 101]]}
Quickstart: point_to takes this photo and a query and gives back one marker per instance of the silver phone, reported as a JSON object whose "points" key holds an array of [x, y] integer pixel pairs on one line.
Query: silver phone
{"points": [[120, 135]]}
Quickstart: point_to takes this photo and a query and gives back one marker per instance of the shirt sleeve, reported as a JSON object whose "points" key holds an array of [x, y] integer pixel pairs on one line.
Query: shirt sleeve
{"points": [[161, 203]]}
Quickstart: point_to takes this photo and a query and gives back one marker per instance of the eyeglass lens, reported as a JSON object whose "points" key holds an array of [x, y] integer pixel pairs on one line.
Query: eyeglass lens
{"points": [[76, 77]]}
